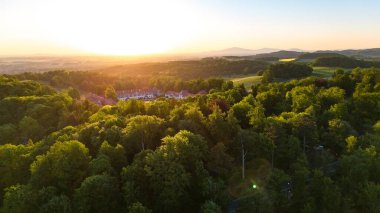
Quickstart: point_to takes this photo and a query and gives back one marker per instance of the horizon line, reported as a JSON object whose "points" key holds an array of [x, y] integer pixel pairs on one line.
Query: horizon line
{"points": [[169, 53]]}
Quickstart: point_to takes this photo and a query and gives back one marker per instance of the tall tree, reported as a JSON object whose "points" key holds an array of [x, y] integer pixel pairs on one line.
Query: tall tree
{"points": [[63, 166], [99, 193]]}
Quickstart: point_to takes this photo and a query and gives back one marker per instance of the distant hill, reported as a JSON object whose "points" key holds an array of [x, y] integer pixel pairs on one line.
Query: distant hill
{"points": [[367, 54], [306, 57], [237, 51], [273, 56], [297, 50], [301, 55], [280, 54], [14, 65], [344, 62], [190, 69], [362, 53]]}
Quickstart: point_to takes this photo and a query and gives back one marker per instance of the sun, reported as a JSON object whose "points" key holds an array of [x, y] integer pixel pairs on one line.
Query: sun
{"points": [[121, 27]]}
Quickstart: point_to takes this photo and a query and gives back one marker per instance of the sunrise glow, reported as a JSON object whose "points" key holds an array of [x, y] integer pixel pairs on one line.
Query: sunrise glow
{"points": [[106, 27], [127, 27], [132, 27]]}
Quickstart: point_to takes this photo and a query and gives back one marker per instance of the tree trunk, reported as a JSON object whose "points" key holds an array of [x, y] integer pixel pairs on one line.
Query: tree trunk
{"points": [[242, 161]]}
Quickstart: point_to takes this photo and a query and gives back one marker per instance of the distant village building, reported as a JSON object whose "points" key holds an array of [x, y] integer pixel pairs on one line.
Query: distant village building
{"points": [[99, 100], [171, 94], [138, 94], [178, 95], [151, 94], [184, 94], [141, 94]]}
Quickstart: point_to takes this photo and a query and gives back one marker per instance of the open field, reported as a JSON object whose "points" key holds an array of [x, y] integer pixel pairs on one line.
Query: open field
{"points": [[287, 59], [248, 81], [325, 72]]}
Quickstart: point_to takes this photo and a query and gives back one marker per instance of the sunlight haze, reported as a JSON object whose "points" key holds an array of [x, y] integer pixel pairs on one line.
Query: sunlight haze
{"points": [[119, 27]]}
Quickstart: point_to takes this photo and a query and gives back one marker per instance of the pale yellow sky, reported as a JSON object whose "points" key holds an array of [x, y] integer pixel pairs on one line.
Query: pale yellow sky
{"points": [[125, 27]]}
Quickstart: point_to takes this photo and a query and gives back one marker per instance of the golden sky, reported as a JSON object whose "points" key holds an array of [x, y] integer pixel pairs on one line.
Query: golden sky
{"points": [[125, 27]]}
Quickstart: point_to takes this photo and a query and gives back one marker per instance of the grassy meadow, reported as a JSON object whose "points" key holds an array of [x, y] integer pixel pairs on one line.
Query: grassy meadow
{"points": [[287, 59], [248, 81], [325, 72]]}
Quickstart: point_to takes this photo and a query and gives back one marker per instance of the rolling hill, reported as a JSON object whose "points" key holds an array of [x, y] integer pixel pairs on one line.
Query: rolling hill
{"points": [[362, 53], [237, 51]]}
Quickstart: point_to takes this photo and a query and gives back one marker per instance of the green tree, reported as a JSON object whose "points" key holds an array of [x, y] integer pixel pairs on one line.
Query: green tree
{"points": [[138, 208], [305, 129], [14, 165], [210, 207], [257, 118], [19, 199], [336, 134], [144, 130], [258, 201], [160, 109], [326, 194], [272, 99], [268, 77], [279, 190], [101, 165], [241, 112], [355, 170], [110, 93], [63, 166], [193, 120], [74, 93], [299, 184], [256, 145], [8, 134], [169, 181], [59, 204], [219, 162], [116, 155], [370, 197], [218, 126], [301, 97], [98, 193], [171, 177], [30, 128], [131, 107], [328, 97], [136, 184]]}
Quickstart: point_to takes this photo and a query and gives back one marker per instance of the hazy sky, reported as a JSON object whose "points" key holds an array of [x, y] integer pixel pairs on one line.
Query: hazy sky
{"points": [[123, 27]]}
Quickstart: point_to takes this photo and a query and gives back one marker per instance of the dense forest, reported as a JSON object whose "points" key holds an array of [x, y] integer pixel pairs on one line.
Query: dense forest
{"points": [[307, 145], [98, 82], [203, 68], [286, 71], [175, 75], [315, 55], [344, 62]]}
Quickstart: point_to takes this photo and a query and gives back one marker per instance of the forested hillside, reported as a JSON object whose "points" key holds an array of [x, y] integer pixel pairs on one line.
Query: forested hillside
{"points": [[193, 76], [308, 145], [288, 70], [204, 68], [343, 62]]}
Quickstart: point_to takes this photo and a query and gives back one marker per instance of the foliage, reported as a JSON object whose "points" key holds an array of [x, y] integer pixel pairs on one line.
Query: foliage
{"points": [[63, 166], [343, 62], [286, 70], [308, 145], [98, 193]]}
